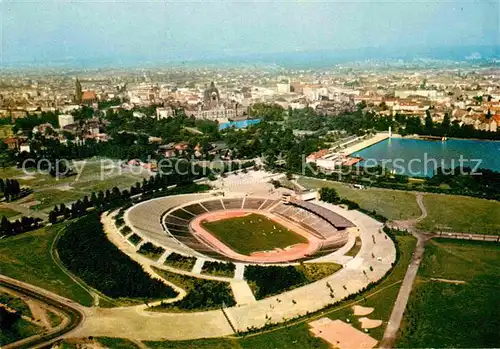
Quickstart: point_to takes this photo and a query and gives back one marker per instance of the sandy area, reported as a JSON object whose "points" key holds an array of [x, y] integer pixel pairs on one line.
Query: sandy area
{"points": [[39, 313], [341, 335], [369, 323], [361, 311]]}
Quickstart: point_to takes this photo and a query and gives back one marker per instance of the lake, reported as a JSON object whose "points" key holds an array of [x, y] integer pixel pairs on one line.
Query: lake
{"points": [[416, 157]]}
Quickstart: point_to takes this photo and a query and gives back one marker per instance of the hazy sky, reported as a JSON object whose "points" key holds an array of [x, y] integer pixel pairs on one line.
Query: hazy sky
{"points": [[62, 29]]}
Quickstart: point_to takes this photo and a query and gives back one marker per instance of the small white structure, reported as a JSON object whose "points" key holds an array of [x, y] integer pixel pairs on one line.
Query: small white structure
{"points": [[163, 113]]}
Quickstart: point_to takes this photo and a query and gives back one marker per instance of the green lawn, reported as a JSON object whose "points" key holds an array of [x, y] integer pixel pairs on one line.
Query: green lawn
{"points": [[393, 204], [381, 297], [297, 336], [252, 233], [355, 248], [49, 198], [116, 343], [7, 212], [27, 257], [89, 178], [95, 185], [55, 319], [443, 314], [461, 214]]}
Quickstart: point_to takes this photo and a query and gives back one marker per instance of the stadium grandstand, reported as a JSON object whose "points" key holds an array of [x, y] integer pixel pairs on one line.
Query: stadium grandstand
{"points": [[167, 221]]}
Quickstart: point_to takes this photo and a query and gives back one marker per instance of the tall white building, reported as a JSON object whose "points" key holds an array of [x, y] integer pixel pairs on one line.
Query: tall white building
{"points": [[283, 87]]}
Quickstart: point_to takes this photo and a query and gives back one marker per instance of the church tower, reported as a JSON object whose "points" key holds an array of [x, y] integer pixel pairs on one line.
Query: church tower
{"points": [[78, 91]]}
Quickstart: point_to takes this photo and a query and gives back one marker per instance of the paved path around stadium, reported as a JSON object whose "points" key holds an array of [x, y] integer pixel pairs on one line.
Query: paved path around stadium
{"points": [[137, 323]]}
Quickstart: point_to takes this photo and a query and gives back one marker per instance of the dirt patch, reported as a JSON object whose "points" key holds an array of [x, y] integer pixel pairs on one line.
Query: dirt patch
{"points": [[369, 323], [30, 204], [26, 177], [361, 311], [341, 335], [64, 187], [39, 313]]}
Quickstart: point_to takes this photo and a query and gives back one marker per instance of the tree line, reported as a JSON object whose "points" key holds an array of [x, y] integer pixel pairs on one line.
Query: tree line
{"points": [[10, 189], [21, 225]]}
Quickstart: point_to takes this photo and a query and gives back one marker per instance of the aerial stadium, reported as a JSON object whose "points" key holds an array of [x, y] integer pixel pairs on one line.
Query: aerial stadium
{"points": [[242, 229]]}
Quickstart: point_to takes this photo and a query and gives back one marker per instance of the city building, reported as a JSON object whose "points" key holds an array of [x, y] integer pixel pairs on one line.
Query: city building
{"points": [[65, 119]]}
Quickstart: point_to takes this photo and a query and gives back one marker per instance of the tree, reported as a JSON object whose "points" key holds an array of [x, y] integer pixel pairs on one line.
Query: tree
{"points": [[52, 217], [329, 195], [445, 125], [429, 124], [5, 226]]}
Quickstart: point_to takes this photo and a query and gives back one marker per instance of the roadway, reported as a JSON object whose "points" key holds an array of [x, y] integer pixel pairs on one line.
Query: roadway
{"points": [[73, 311]]}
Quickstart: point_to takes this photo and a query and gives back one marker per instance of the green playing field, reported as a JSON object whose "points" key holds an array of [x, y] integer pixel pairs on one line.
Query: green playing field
{"points": [[251, 233]]}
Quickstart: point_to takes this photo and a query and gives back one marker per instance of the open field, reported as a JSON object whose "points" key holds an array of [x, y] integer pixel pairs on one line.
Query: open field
{"points": [[393, 204], [27, 257], [49, 198], [90, 176], [461, 214], [459, 306], [252, 233]]}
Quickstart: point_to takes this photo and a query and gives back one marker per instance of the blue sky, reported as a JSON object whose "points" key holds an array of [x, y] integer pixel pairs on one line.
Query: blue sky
{"points": [[54, 30]]}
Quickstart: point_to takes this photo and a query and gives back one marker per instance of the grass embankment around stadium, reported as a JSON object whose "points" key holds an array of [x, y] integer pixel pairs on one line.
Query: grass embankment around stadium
{"points": [[86, 251], [454, 213], [252, 233], [454, 302]]}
